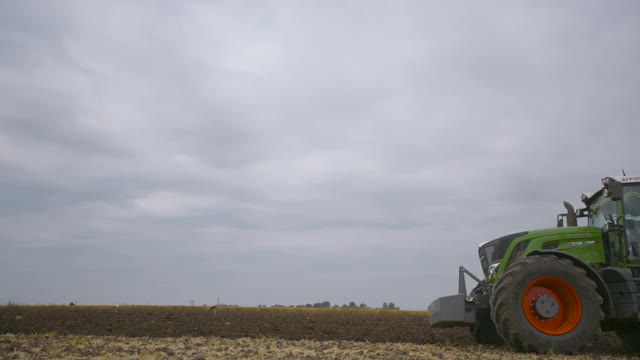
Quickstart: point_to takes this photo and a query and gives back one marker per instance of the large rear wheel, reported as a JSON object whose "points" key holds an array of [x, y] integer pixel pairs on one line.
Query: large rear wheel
{"points": [[544, 303]]}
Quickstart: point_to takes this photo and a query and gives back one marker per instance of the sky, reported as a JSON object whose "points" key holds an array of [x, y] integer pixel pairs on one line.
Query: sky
{"points": [[292, 152]]}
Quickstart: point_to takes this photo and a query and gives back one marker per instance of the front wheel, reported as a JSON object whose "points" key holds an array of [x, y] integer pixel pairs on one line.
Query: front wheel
{"points": [[484, 331], [544, 303], [630, 339]]}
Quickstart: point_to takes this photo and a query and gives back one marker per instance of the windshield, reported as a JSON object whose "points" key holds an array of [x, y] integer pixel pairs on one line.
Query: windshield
{"points": [[600, 207]]}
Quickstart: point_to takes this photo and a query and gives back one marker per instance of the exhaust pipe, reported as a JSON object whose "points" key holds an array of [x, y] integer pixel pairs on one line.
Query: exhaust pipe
{"points": [[572, 220]]}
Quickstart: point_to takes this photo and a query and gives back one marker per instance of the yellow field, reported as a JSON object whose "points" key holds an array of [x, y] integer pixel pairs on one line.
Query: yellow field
{"points": [[53, 346], [226, 308], [326, 310]]}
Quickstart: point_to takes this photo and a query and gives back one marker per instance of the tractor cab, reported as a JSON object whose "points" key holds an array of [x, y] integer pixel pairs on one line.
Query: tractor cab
{"points": [[616, 209]]}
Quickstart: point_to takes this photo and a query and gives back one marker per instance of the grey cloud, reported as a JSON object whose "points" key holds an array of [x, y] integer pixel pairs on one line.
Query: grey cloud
{"points": [[296, 151]]}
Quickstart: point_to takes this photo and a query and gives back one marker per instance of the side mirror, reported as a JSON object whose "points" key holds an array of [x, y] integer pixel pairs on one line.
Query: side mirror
{"points": [[560, 221], [610, 225], [612, 188]]}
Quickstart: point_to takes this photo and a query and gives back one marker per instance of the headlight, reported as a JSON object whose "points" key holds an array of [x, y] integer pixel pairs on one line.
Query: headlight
{"points": [[493, 270]]}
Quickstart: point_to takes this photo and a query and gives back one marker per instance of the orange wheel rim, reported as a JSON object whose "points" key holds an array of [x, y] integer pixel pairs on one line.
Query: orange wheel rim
{"points": [[552, 305]]}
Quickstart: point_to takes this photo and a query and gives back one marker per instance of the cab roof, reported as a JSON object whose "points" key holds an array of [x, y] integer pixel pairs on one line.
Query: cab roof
{"points": [[586, 197]]}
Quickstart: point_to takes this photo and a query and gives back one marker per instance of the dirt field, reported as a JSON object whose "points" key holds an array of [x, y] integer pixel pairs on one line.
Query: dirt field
{"points": [[159, 321], [192, 332]]}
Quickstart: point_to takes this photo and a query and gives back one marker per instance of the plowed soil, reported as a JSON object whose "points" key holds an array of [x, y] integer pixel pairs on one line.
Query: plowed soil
{"points": [[232, 323]]}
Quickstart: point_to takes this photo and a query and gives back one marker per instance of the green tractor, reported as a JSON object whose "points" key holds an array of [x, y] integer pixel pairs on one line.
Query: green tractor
{"points": [[556, 289]]}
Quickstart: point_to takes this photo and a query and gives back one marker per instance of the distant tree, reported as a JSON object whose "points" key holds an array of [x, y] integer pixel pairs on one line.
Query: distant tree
{"points": [[321, 304], [345, 306], [352, 305], [336, 306], [308, 306], [385, 306], [392, 306], [363, 306]]}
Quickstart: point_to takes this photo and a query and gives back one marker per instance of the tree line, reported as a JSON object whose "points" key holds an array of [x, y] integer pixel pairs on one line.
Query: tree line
{"points": [[327, 305]]}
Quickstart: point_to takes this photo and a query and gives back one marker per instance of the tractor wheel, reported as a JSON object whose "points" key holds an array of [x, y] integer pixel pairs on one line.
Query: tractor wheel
{"points": [[544, 303], [484, 330], [630, 339]]}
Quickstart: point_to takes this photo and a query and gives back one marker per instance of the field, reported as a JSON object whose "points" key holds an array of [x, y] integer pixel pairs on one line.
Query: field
{"points": [[158, 332]]}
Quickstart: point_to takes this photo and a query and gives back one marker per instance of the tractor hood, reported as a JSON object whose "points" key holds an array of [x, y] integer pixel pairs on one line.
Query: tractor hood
{"points": [[494, 250], [569, 239]]}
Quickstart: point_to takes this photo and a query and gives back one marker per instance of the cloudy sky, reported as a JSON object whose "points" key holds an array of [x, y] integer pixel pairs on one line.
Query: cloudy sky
{"points": [[293, 152]]}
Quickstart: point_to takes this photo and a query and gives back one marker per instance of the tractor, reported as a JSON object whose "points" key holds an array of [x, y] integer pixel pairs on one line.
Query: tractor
{"points": [[557, 289]]}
